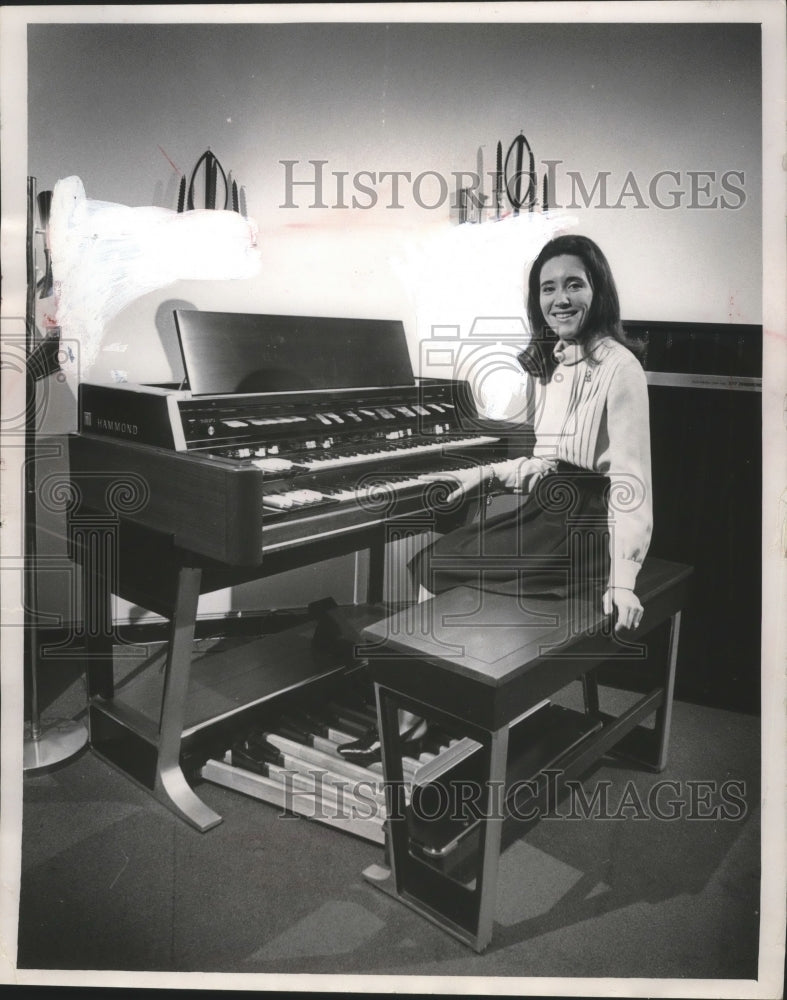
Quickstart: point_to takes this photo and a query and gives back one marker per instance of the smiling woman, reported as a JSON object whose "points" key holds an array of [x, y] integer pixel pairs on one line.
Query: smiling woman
{"points": [[584, 523], [565, 295]]}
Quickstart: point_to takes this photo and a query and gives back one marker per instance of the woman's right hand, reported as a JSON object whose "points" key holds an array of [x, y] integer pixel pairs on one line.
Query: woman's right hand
{"points": [[518, 474]]}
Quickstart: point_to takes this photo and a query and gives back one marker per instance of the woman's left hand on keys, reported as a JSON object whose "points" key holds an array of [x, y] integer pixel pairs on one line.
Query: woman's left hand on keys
{"points": [[463, 480], [626, 605]]}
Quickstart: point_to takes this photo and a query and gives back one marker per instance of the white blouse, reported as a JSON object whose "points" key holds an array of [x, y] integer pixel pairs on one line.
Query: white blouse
{"points": [[594, 414]]}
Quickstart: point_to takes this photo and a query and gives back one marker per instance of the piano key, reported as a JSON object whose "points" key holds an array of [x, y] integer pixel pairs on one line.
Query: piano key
{"points": [[264, 457], [326, 728], [293, 500], [406, 448], [301, 758], [277, 502], [316, 758], [273, 464], [333, 791]]}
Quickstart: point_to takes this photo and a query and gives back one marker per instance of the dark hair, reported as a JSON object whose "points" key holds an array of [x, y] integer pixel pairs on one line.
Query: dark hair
{"points": [[603, 317]]}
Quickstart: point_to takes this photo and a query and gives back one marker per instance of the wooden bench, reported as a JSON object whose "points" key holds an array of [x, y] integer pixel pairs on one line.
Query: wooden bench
{"points": [[479, 665]]}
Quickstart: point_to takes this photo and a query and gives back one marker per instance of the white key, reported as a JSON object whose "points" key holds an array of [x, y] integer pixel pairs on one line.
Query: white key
{"points": [[420, 449], [272, 464], [277, 502]]}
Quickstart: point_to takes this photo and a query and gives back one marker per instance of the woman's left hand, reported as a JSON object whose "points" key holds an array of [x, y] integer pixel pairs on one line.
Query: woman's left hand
{"points": [[463, 480], [626, 605]]}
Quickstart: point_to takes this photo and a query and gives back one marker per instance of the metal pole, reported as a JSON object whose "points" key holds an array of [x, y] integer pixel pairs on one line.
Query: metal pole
{"points": [[54, 742], [31, 603]]}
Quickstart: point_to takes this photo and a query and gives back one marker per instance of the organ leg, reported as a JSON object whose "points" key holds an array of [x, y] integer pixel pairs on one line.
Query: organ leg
{"points": [[171, 787], [376, 580], [145, 748]]}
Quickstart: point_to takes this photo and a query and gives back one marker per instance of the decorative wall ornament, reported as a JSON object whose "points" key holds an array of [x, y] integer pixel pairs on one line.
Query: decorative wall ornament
{"points": [[514, 185]]}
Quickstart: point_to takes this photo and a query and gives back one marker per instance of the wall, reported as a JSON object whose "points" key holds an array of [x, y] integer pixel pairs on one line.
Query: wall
{"points": [[127, 107]]}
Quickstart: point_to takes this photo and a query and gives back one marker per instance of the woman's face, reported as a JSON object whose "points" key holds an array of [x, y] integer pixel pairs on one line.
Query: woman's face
{"points": [[565, 295]]}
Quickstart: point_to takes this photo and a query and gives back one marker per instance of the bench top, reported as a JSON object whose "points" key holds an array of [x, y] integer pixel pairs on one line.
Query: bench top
{"points": [[493, 638]]}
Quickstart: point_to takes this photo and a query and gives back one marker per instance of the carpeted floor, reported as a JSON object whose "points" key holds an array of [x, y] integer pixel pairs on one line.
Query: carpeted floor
{"points": [[112, 881]]}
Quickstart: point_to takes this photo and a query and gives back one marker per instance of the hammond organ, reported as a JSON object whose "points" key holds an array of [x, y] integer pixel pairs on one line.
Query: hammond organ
{"points": [[233, 475], [232, 478], [289, 440]]}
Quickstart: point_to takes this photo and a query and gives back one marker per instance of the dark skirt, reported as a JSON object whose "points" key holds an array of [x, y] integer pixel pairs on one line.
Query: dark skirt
{"points": [[554, 543]]}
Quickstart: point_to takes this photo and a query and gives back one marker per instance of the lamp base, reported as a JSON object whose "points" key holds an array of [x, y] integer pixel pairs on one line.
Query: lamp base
{"points": [[59, 741]]}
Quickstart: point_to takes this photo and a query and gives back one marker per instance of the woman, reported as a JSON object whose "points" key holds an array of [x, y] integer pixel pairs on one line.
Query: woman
{"points": [[587, 488], [585, 520]]}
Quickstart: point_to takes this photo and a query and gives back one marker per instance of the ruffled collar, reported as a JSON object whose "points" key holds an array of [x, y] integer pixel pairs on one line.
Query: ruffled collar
{"points": [[573, 353]]}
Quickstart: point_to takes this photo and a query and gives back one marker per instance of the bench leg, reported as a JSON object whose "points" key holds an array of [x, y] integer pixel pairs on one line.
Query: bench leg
{"points": [[590, 693], [491, 836], [464, 910], [649, 747], [664, 713]]}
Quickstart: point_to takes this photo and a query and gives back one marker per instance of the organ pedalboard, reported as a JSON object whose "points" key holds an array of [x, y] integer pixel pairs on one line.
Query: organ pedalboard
{"points": [[294, 763]]}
